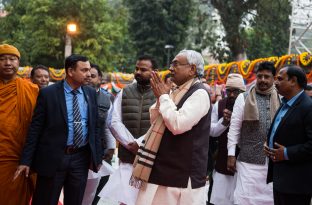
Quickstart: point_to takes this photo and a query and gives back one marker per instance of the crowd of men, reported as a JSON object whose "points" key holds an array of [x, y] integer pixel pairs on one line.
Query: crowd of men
{"points": [[57, 137]]}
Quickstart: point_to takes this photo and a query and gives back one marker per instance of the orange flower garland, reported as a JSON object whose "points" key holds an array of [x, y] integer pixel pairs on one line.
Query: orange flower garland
{"points": [[243, 65]]}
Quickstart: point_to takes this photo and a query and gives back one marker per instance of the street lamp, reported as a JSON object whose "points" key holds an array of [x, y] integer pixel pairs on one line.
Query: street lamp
{"points": [[168, 47], [71, 30]]}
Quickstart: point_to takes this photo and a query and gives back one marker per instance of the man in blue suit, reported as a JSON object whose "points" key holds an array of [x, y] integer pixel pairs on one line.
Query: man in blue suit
{"points": [[62, 142], [289, 143]]}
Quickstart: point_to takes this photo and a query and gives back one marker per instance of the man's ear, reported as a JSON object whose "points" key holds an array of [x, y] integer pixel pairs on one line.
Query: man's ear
{"points": [[69, 71], [193, 69], [293, 80]]}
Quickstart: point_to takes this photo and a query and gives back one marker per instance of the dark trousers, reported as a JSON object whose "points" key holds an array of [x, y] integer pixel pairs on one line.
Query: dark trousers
{"points": [[71, 175], [210, 189], [291, 199], [102, 183]]}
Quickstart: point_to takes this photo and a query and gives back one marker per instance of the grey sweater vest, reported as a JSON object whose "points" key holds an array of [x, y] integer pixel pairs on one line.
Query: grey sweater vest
{"points": [[136, 102], [254, 133]]}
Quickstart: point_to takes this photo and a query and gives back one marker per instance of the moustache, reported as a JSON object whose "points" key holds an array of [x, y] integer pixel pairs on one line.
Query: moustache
{"points": [[262, 83]]}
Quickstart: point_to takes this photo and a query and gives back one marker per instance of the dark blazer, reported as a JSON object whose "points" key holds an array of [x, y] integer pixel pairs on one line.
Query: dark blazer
{"points": [[294, 176], [47, 135]]}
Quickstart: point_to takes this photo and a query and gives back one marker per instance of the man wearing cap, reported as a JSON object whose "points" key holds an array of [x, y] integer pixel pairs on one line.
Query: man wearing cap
{"points": [[251, 118], [17, 102], [170, 167], [223, 180]]}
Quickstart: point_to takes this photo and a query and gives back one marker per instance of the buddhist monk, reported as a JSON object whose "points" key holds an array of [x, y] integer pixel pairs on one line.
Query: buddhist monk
{"points": [[17, 101]]}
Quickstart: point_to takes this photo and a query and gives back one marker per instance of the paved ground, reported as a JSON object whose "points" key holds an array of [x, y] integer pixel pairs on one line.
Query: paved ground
{"points": [[106, 202], [115, 165]]}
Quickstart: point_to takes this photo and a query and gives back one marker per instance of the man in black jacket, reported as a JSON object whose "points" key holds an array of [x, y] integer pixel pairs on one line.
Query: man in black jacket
{"points": [[289, 143], [62, 141]]}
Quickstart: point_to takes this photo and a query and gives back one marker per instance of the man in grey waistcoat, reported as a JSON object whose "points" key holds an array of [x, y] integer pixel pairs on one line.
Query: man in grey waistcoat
{"points": [[251, 118], [129, 120]]}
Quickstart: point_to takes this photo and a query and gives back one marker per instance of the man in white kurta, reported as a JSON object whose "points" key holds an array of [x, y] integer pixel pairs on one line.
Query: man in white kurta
{"points": [[223, 180], [180, 120], [251, 118]]}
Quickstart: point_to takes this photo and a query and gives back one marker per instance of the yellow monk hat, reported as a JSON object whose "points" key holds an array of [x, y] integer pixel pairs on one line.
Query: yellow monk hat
{"points": [[9, 49]]}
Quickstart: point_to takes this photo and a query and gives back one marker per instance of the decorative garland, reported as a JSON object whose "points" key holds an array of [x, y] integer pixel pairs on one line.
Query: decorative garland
{"points": [[211, 69], [272, 59], [282, 61], [57, 74], [243, 65], [126, 76], [215, 73], [305, 58], [22, 70], [220, 70], [226, 71]]}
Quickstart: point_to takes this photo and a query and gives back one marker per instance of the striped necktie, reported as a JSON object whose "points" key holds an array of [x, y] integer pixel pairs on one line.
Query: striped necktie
{"points": [[78, 135]]}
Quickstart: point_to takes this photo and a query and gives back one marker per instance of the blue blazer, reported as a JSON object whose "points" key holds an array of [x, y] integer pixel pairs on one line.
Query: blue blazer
{"points": [[47, 135], [294, 176]]}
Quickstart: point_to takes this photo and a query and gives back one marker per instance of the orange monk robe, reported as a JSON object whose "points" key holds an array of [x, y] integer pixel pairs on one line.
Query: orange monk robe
{"points": [[17, 102]]}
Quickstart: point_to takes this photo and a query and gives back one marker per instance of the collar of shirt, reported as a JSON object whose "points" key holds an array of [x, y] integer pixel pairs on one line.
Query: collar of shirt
{"points": [[68, 89], [290, 102]]}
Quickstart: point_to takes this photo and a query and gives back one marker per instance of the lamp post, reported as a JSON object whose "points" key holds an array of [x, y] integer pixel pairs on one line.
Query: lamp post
{"points": [[71, 30], [168, 47]]}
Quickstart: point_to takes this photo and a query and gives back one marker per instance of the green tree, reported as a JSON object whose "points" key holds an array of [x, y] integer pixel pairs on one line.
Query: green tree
{"points": [[38, 29], [123, 49], [154, 24], [257, 28], [201, 33], [233, 13], [269, 32]]}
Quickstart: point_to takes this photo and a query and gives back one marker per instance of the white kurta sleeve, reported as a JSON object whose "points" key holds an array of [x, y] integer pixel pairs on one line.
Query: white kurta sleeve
{"points": [[139, 140], [118, 129], [110, 140], [182, 120], [216, 127], [236, 124]]}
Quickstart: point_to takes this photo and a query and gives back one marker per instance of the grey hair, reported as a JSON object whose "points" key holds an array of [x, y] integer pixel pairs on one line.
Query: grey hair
{"points": [[194, 58]]}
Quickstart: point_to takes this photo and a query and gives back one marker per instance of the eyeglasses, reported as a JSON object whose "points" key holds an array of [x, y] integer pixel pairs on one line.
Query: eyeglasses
{"points": [[8, 58], [234, 91], [176, 64]]}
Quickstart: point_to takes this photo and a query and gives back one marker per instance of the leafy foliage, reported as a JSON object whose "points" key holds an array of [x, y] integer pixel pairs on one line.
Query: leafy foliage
{"points": [[257, 28], [201, 33], [38, 29], [269, 33], [112, 33], [154, 24]]}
